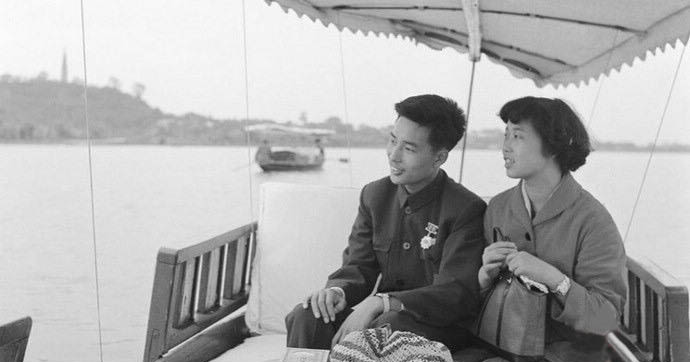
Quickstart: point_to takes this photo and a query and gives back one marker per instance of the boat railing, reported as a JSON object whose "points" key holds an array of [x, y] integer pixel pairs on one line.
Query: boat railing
{"points": [[656, 312], [197, 286], [655, 316], [14, 336]]}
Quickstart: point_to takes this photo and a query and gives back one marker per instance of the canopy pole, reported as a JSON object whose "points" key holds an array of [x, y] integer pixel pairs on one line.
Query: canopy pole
{"points": [[345, 107], [467, 124], [91, 194], [656, 140], [474, 50], [601, 83]]}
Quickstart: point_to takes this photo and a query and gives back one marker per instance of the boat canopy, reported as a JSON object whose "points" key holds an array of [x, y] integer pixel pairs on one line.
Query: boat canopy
{"points": [[277, 128], [556, 42]]}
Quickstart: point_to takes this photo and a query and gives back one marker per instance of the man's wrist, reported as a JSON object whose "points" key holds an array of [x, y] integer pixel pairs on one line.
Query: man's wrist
{"points": [[375, 305]]}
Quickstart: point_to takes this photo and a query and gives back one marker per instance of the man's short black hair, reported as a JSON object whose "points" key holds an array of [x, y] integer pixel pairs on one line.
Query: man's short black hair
{"points": [[559, 127], [442, 116]]}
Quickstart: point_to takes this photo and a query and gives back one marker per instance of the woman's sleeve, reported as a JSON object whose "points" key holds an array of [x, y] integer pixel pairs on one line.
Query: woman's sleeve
{"points": [[598, 286]]}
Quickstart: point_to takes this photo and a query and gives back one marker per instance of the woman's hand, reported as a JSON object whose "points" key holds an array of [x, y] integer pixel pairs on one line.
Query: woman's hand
{"points": [[526, 264], [360, 318], [493, 259]]}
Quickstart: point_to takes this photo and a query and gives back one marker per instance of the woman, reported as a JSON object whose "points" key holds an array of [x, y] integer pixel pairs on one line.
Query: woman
{"points": [[560, 235]]}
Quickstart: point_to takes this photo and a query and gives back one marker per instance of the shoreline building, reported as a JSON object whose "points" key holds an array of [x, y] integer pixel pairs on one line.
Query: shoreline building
{"points": [[64, 75]]}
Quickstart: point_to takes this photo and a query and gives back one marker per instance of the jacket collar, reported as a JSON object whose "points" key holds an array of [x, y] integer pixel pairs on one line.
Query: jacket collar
{"points": [[566, 193], [422, 197]]}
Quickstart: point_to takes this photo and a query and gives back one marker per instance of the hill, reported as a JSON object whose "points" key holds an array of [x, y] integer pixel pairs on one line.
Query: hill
{"points": [[43, 111]]}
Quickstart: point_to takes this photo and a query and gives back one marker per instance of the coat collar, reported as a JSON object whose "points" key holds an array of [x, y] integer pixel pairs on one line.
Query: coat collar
{"points": [[566, 193], [422, 197]]}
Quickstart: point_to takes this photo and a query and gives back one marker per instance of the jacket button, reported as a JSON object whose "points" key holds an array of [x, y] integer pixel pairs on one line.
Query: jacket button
{"points": [[406, 245], [408, 210]]}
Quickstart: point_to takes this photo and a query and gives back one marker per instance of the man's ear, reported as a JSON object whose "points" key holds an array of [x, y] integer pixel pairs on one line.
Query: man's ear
{"points": [[441, 157]]}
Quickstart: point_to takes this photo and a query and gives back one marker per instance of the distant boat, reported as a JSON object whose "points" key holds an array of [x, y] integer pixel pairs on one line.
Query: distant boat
{"points": [[289, 158]]}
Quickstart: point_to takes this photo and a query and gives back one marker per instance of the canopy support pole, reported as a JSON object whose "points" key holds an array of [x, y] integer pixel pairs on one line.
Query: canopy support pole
{"points": [[656, 141], [474, 45], [91, 188], [467, 124]]}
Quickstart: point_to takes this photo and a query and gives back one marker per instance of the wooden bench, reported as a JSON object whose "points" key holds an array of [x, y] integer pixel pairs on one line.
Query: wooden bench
{"points": [[656, 312], [216, 272], [199, 285], [194, 288], [14, 337]]}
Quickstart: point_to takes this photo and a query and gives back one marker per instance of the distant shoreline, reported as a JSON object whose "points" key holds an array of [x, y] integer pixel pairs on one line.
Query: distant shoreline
{"points": [[109, 142], [41, 111]]}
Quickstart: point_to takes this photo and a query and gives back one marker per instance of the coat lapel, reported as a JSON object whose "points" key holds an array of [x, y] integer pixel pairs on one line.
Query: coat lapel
{"points": [[520, 215], [565, 195]]}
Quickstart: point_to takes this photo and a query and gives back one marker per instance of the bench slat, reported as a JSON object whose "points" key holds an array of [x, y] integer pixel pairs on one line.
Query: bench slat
{"points": [[230, 268], [209, 283], [186, 292]]}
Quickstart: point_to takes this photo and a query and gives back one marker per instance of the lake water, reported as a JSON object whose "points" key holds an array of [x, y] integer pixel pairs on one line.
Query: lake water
{"points": [[149, 196]]}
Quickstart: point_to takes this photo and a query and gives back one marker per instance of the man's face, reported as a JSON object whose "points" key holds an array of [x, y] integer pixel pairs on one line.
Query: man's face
{"points": [[522, 151], [413, 162]]}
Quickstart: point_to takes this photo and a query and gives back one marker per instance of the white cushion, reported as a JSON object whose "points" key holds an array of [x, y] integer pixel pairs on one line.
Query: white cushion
{"points": [[302, 232], [268, 348]]}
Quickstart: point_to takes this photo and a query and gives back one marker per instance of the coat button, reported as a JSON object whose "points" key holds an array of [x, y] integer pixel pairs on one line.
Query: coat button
{"points": [[407, 245], [408, 210]]}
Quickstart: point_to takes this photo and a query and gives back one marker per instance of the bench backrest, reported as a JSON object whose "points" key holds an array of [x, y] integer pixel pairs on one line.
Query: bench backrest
{"points": [[195, 287], [14, 337], [302, 232], [656, 312]]}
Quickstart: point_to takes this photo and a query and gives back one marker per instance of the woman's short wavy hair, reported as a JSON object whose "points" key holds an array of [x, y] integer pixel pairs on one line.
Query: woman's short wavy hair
{"points": [[561, 131]]}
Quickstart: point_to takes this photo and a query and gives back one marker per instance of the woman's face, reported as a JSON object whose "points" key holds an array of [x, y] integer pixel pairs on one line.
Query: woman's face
{"points": [[522, 152]]}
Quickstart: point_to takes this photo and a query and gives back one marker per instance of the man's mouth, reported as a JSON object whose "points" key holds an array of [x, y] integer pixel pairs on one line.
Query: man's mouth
{"points": [[508, 162], [396, 171]]}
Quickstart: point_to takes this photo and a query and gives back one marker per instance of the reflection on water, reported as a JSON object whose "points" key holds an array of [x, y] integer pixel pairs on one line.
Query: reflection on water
{"points": [[150, 196]]}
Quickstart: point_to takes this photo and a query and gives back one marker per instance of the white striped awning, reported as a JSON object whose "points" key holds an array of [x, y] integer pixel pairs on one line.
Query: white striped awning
{"points": [[556, 42]]}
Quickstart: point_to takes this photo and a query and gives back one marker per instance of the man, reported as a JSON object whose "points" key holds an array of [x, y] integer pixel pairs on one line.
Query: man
{"points": [[419, 229]]}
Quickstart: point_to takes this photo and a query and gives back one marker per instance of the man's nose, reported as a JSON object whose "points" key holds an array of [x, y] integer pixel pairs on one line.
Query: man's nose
{"points": [[394, 153]]}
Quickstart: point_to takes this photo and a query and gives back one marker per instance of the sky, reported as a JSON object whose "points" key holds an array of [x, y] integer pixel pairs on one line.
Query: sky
{"points": [[190, 56]]}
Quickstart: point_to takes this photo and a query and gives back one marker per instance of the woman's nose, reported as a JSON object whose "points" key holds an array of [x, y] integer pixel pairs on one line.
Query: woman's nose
{"points": [[506, 145]]}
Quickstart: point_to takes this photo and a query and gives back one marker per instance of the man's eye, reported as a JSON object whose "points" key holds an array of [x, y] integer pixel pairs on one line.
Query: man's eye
{"points": [[410, 149]]}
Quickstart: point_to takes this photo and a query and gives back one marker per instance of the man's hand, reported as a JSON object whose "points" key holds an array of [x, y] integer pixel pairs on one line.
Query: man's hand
{"points": [[360, 318], [325, 302], [526, 264], [493, 259]]}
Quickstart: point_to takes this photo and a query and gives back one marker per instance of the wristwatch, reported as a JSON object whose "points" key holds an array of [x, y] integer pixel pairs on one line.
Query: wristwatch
{"points": [[386, 301], [563, 287]]}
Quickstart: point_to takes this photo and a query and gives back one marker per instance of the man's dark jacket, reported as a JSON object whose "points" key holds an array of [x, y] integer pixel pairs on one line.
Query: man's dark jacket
{"points": [[439, 284]]}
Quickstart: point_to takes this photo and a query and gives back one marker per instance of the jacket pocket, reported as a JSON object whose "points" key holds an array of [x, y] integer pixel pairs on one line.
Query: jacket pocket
{"points": [[382, 247]]}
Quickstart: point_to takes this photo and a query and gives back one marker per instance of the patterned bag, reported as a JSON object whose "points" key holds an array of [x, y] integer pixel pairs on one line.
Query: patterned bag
{"points": [[380, 345]]}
